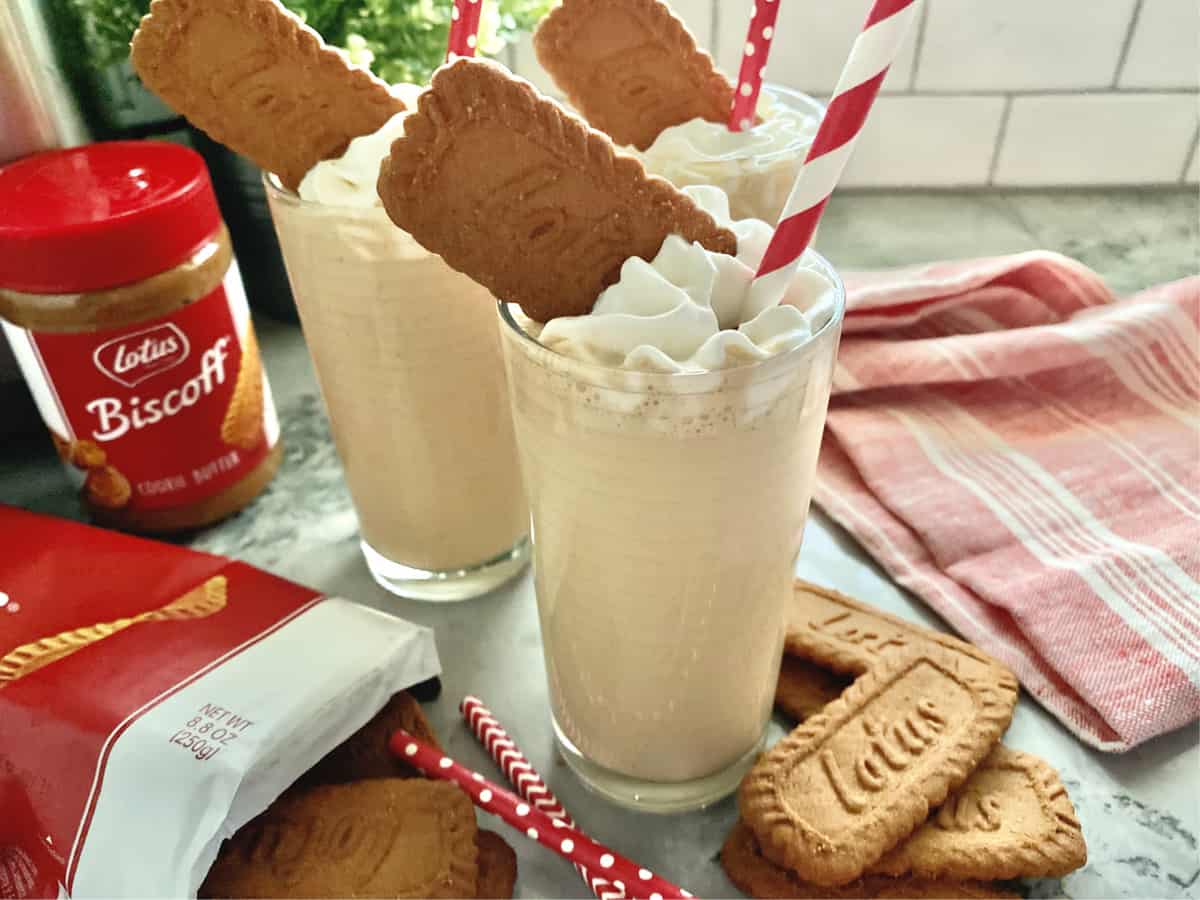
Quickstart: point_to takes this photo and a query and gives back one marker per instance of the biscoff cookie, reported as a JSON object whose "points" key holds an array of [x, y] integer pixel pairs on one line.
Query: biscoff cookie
{"points": [[383, 837], [1011, 819], [255, 78], [520, 195], [365, 753], [804, 688], [107, 488], [846, 636], [759, 877], [86, 455], [846, 786], [243, 423], [497, 867], [630, 67]]}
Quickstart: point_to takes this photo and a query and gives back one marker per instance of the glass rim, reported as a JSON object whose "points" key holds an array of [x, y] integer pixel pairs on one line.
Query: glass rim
{"points": [[274, 187], [802, 98], [596, 373]]}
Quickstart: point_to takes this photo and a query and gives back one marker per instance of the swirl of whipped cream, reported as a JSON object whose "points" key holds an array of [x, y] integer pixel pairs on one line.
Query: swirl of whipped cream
{"points": [[755, 167], [694, 311], [350, 179]]}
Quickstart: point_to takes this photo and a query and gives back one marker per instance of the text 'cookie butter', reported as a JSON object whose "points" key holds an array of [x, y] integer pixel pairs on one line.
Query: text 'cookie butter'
{"points": [[125, 310]]}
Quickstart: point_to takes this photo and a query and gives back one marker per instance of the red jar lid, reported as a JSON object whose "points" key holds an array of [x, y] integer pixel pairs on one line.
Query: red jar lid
{"points": [[104, 215]]}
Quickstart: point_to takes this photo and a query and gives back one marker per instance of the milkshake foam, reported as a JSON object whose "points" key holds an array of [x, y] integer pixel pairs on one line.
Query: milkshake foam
{"points": [[756, 167], [692, 310], [349, 180]]}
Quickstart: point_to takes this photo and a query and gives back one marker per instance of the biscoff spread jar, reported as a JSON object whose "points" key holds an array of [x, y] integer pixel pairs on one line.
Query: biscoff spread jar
{"points": [[123, 304]]}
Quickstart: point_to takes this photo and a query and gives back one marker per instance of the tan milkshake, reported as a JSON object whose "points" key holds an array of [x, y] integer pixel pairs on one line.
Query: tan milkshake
{"points": [[407, 354], [669, 441], [667, 406]]}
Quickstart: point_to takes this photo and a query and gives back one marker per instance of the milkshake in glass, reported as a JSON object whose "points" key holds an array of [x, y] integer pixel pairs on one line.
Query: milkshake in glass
{"points": [[669, 443], [756, 168], [408, 358]]}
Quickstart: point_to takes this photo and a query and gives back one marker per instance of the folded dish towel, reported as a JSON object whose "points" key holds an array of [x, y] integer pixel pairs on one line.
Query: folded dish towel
{"points": [[1021, 450]]}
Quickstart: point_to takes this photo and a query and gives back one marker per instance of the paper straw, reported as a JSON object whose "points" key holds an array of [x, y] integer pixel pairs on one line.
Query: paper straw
{"points": [[554, 834], [521, 775], [464, 28], [872, 54], [754, 64]]}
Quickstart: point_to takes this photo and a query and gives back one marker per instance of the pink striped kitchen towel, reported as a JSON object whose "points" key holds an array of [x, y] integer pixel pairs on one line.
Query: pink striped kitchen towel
{"points": [[1020, 449]]}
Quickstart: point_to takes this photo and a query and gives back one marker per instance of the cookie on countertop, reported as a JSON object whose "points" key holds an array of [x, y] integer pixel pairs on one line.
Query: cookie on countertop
{"points": [[497, 867], [849, 784], [757, 876], [1011, 819], [384, 837], [847, 636], [365, 753], [804, 688]]}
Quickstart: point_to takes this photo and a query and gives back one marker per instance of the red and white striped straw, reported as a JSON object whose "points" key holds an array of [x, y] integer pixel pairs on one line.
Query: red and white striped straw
{"points": [[870, 57], [464, 28], [521, 775], [754, 64], [554, 834]]}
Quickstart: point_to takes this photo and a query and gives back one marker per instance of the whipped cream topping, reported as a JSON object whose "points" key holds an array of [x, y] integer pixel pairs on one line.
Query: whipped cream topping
{"points": [[690, 310], [350, 179], [703, 152]]}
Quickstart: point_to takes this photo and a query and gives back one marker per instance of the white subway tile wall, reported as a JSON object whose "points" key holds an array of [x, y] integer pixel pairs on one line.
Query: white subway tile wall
{"points": [[935, 141], [1013, 93], [1165, 46], [1022, 45], [698, 15], [812, 41], [1082, 139]]}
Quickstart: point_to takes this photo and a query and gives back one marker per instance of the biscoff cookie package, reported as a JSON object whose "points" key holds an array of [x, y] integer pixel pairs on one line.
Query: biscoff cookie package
{"points": [[154, 699]]}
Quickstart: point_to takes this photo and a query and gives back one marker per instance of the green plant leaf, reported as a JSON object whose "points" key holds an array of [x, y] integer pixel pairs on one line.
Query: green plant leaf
{"points": [[403, 40]]}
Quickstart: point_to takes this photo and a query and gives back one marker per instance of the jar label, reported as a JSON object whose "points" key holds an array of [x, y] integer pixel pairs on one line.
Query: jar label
{"points": [[159, 414]]}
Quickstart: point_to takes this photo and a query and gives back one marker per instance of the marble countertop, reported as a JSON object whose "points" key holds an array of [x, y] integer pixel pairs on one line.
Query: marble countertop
{"points": [[1140, 810]]}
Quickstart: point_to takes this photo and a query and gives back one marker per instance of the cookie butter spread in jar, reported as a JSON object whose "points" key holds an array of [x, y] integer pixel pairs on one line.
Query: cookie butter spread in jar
{"points": [[123, 304]]}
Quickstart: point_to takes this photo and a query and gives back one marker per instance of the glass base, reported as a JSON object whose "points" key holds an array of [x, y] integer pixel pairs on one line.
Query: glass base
{"points": [[448, 585], [657, 796]]}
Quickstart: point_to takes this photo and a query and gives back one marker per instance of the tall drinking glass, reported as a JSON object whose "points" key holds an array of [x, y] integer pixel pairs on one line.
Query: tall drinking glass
{"points": [[668, 511], [408, 358]]}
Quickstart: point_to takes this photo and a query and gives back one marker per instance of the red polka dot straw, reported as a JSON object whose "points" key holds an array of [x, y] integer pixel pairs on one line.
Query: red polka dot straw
{"points": [[464, 28], [551, 832], [872, 54], [754, 64], [521, 775]]}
